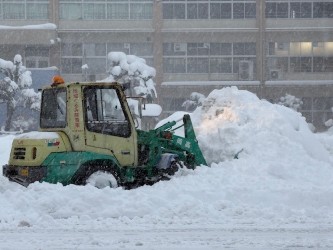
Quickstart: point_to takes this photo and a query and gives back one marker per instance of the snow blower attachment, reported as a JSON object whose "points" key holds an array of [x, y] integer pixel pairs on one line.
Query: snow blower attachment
{"points": [[88, 135]]}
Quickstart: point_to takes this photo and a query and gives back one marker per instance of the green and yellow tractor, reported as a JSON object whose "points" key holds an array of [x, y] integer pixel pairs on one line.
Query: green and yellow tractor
{"points": [[89, 134]]}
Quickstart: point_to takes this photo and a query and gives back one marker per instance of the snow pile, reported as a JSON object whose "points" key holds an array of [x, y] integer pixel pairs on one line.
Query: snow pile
{"points": [[232, 121], [283, 177]]}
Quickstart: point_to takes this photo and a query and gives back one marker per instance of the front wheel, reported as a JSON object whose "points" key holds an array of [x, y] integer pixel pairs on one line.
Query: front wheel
{"points": [[102, 179]]}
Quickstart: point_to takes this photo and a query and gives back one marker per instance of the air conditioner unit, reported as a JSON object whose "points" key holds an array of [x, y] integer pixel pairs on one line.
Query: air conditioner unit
{"points": [[126, 46], [274, 74], [245, 70], [179, 47]]}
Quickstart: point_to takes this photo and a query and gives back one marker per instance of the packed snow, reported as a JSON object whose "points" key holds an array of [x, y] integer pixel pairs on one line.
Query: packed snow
{"points": [[268, 185]]}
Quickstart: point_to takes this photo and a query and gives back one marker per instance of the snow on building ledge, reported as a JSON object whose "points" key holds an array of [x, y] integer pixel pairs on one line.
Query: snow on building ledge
{"points": [[45, 26], [203, 83], [300, 82], [229, 83]]}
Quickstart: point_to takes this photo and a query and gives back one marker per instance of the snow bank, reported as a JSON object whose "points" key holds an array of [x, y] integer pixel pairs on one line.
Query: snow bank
{"points": [[232, 121], [283, 177]]}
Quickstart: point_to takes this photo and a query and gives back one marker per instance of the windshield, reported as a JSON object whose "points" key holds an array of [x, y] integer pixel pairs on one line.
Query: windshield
{"points": [[53, 108], [104, 112]]}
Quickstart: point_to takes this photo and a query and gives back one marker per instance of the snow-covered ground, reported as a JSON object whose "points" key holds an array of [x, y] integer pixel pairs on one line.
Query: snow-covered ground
{"points": [[278, 194]]}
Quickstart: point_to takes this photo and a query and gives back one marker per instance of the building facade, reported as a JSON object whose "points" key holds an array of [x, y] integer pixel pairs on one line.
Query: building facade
{"points": [[270, 47]]}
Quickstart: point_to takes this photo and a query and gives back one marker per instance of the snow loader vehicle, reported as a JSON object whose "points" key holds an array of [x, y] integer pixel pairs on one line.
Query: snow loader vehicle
{"points": [[88, 134]]}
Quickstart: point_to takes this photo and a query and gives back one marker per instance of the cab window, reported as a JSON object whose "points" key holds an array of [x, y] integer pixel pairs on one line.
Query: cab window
{"points": [[54, 108], [104, 112]]}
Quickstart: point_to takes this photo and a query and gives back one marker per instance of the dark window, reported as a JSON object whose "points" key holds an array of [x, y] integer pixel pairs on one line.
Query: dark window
{"points": [[300, 10], [220, 11], [168, 11], [202, 11], [197, 65], [318, 64], [174, 11], [238, 10], [220, 65], [174, 65], [220, 49], [323, 10], [271, 48], [197, 11], [71, 65], [198, 48], [306, 64], [192, 11], [323, 64], [244, 48], [270, 10], [282, 10], [225, 11], [295, 64], [179, 10], [53, 108], [250, 10]]}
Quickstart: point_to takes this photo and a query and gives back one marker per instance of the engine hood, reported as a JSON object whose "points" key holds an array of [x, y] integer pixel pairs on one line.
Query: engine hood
{"points": [[31, 149]]}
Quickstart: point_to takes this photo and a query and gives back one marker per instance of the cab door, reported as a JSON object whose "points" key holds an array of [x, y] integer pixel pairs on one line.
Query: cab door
{"points": [[109, 125]]}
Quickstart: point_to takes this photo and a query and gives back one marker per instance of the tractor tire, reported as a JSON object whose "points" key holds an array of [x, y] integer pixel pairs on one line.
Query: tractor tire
{"points": [[97, 175], [102, 179]]}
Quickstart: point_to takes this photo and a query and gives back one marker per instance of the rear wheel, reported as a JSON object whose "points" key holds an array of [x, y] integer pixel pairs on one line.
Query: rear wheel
{"points": [[99, 174], [102, 179]]}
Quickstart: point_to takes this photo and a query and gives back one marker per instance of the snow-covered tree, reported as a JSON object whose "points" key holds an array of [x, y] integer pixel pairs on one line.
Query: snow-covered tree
{"points": [[133, 71], [195, 100], [291, 101], [15, 89], [329, 122]]}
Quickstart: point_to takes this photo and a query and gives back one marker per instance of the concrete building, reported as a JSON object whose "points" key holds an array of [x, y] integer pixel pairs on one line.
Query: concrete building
{"points": [[270, 47]]}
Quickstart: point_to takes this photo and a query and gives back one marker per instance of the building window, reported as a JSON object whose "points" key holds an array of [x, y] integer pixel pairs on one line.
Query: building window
{"points": [[94, 11], [174, 65], [71, 49], [198, 49], [300, 10], [197, 11], [117, 11], [302, 56], [174, 10], [71, 65], [276, 10], [70, 11], [200, 9], [323, 10], [220, 48], [141, 11], [206, 57], [28, 9], [197, 65], [106, 9], [141, 49], [220, 65], [244, 10], [244, 48], [74, 55], [36, 57], [220, 11], [37, 10]]}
